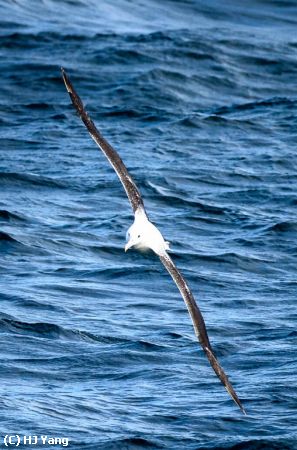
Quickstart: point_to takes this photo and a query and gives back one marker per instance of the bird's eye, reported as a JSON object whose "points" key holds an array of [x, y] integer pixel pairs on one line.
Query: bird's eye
{"points": [[138, 236]]}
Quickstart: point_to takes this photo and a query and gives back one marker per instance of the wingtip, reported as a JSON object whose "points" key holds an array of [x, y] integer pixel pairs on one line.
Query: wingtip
{"points": [[234, 396], [66, 79], [238, 402], [243, 410]]}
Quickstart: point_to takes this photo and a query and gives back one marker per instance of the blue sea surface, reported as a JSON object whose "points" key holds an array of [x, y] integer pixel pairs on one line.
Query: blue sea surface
{"points": [[200, 100]]}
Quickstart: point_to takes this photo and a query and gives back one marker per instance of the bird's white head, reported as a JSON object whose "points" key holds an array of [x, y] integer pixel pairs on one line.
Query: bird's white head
{"points": [[143, 235]]}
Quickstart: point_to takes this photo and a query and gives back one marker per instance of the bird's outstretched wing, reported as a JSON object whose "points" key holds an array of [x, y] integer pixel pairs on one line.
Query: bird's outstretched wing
{"points": [[137, 203], [199, 325], [113, 157]]}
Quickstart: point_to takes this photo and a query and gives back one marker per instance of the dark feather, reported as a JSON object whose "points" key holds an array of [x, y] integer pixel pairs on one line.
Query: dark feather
{"points": [[199, 325], [111, 154]]}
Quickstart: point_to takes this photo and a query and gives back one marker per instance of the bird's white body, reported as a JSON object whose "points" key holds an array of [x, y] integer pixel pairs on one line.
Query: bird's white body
{"points": [[143, 235]]}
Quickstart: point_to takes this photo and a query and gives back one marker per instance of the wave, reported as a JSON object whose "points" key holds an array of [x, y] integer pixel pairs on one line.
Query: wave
{"points": [[133, 443], [13, 178], [52, 331], [56, 332], [5, 237], [260, 444], [282, 227], [165, 195], [255, 105], [9, 216], [136, 443]]}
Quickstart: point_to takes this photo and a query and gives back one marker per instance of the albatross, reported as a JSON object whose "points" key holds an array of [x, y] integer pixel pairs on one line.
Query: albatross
{"points": [[143, 234]]}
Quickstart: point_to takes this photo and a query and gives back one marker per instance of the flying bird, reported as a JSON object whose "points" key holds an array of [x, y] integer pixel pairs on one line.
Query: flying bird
{"points": [[142, 234]]}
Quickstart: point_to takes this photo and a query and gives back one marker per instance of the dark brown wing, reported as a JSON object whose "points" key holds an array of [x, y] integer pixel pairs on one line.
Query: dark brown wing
{"points": [[111, 154], [199, 325]]}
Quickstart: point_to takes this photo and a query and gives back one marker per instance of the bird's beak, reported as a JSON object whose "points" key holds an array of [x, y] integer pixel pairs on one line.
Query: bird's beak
{"points": [[128, 245]]}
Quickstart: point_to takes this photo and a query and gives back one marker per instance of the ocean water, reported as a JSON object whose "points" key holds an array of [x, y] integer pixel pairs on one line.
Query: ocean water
{"points": [[200, 100]]}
